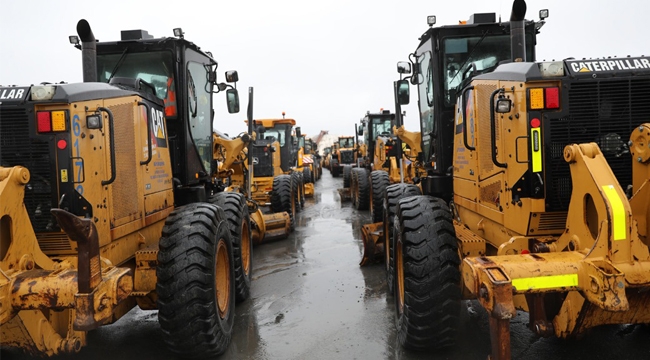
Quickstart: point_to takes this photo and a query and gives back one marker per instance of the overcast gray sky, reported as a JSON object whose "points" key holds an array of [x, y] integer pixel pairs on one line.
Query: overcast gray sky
{"points": [[323, 62]]}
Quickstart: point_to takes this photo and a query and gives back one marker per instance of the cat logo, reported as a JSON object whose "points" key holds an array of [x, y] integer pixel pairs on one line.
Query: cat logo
{"points": [[158, 127]]}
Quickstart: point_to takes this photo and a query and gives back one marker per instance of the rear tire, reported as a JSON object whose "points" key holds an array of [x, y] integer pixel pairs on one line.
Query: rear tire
{"points": [[196, 287], [427, 264], [236, 209], [298, 184], [307, 175], [379, 181], [283, 197], [394, 193], [361, 189], [347, 172]]}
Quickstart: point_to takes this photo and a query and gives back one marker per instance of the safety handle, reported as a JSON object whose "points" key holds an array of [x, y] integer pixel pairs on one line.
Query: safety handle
{"points": [[149, 147], [493, 131], [464, 110], [111, 138]]}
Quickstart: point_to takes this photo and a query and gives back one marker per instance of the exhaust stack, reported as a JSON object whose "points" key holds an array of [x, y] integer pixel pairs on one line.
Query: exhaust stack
{"points": [[88, 51], [517, 31]]}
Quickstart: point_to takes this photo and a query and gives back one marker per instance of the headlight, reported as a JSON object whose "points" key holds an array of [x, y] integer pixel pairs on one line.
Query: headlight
{"points": [[552, 68], [42, 92]]}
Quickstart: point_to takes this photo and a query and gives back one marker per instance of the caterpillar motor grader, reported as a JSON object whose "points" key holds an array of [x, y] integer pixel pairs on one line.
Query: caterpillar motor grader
{"points": [[344, 157], [387, 141], [235, 171], [108, 201], [536, 193], [276, 181]]}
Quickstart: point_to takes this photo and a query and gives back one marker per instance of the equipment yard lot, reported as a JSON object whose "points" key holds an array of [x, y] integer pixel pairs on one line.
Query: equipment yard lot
{"points": [[311, 300]]}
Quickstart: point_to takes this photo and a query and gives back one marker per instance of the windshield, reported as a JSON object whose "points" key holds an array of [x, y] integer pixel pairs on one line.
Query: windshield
{"points": [[153, 67], [346, 143], [463, 56], [381, 126], [277, 133]]}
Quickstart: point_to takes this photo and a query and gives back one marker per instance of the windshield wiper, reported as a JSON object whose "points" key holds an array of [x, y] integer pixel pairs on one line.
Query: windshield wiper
{"points": [[469, 56], [118, 64]]}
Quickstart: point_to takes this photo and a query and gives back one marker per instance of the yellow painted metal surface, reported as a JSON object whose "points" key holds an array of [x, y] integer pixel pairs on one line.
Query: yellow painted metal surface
{"points": [[564, 282]]}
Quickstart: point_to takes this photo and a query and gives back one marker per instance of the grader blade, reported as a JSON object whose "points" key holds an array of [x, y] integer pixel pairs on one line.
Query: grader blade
{"points": [[373, 243], [268, 227]]}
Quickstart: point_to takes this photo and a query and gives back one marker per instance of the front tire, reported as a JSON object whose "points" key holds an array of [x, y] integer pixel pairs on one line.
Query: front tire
{"points": [[394, 193], [379, 181], [196, 287], [283, 197], [347, 172], [236, 210], [427, 264], [361, 189]]}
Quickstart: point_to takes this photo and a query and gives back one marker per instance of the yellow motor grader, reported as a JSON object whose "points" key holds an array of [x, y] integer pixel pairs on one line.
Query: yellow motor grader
{"points": [[276, 182], [235, 172], [107, 201], [536, 195], [387, 141]]}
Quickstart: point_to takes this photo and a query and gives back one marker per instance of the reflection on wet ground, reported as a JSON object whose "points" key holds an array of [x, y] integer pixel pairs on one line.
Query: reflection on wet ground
{"points": [[311, 300]]}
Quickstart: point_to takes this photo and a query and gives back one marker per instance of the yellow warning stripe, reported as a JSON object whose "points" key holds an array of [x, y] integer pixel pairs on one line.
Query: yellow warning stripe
{"points": [[546, 282], [618, 210], [536, 149]]}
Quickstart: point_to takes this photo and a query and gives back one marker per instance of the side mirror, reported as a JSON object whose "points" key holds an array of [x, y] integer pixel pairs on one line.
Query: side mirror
{"points": [[232, 98], [298, 133], [231, 76], [403, 93], [403, 67], [360, 131]]}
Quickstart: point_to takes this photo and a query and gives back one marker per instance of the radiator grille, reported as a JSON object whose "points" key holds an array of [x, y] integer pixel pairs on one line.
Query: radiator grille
{"points": [[18, 148], [347, 157], [125, 204], [263, 160], [601, 111]]}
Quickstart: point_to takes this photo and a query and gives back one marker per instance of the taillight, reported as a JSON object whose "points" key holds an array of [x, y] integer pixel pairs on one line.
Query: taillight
{"points": [[49, 121], [552, 95], [44, 121], [544, 98]]}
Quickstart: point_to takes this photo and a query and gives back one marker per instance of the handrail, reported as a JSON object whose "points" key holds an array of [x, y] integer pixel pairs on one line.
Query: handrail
{"points": [[493, 136], [463, 110], [149, 147], [111, 138]]}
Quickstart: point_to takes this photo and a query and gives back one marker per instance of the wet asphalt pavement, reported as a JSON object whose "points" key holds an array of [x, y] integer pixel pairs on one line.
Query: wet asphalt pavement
{"points": [[311, 300]]}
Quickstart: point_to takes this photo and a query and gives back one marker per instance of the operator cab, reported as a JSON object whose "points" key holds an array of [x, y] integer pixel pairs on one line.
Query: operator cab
{"points": [[377, 124], [183, 76], [447, 58]]}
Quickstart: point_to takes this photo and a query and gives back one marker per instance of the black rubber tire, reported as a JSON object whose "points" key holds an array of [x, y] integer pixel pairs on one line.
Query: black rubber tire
{"points": [[394, 193], [193, 250], [347, 175], [361, 194], [298, 186], [283, 197], [239, 224], [307, 175], [379, 181], [427, 287]]}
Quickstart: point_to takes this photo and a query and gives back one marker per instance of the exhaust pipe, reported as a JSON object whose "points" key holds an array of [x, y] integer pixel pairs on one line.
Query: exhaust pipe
{"points": [[88, 51], [518, 31]]}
